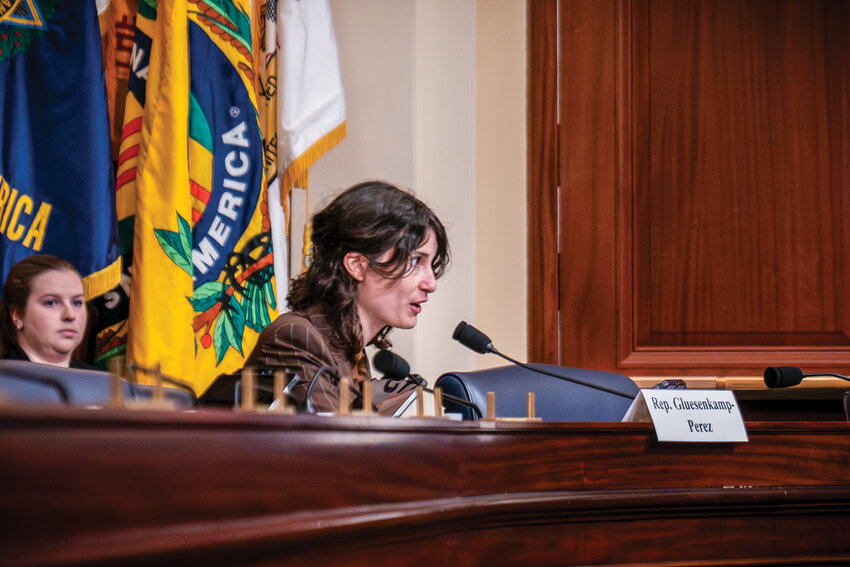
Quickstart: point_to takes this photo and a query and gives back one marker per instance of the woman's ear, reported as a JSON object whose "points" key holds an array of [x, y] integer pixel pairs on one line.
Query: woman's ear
{"points": [[355, 264], [15, 315]]}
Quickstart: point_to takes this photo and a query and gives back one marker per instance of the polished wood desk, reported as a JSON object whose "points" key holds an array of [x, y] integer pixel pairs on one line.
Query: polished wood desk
{"points": [[235, 488]]}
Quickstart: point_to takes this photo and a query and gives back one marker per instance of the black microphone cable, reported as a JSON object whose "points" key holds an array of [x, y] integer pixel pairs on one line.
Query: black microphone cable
{"points": [[475, 340], [394, 367], [308, 403]]}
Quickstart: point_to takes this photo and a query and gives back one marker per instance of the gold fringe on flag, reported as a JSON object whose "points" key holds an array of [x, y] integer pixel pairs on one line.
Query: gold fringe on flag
{"points": [[98, 283], [296, 176], [299, 166]]}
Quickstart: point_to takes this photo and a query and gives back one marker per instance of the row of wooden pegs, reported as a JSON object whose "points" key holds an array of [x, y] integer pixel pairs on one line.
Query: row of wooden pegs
{"points": [[117, 370], [280, 403]]}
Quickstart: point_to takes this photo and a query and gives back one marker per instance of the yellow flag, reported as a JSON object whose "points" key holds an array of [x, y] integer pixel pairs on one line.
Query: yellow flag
{"points": [[203, 285]]}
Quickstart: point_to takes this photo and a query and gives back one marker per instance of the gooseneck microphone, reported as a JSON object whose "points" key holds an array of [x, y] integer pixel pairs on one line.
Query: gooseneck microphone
{"points": [[391, 365], [784, 376], [475, 340], [394, 367]]}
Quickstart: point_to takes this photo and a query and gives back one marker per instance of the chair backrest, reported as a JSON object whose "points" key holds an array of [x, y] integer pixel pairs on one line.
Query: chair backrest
{"points": [[847, 405], [27, 382], [555, 399], [226, 389]]}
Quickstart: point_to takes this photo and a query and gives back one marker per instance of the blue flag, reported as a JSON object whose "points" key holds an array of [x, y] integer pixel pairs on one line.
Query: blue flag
{"points": [[56, 181]]}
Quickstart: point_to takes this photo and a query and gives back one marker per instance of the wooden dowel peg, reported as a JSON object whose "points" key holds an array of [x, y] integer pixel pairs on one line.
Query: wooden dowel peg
{"points": [[158, 394], [438, 402], [530, 411], [277, 386], [248, 389], [420, 401], [491, 405], [367, 397], [115, 365], [116, 390], [280, 404], [345, 396]]}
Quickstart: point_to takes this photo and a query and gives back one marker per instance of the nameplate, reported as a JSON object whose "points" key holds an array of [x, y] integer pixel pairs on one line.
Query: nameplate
{"points": [[701, 416]]}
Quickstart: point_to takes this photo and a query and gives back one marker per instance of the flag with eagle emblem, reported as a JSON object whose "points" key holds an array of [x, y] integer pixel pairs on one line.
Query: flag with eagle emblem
{"points": [[192, 167]]}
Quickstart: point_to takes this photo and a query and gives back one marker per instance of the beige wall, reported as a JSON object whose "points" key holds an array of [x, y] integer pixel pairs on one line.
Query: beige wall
{"points": [[435, 91], [501, 257]]}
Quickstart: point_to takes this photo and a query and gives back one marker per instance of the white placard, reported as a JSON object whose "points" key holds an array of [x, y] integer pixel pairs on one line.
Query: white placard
{"points": [[703, 416]]}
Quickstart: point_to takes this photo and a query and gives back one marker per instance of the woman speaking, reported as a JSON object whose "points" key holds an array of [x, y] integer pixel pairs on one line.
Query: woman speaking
{"points": [[376, 254]]}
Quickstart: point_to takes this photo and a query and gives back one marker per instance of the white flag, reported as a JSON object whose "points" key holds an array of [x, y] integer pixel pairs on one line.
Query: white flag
{"points": [[310, 101]]}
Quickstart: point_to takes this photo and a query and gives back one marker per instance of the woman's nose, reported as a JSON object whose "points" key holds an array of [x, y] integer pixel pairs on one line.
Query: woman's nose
{"points": [[68, 312], [429, 281]]}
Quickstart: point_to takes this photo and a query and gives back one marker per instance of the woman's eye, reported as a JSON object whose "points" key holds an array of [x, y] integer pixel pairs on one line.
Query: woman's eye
{"points": [[78, 303], [414, 261], [49, 302]]}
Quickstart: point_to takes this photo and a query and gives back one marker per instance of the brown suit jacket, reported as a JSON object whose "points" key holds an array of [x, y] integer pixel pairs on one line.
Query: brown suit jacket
{"points": [[301, 340]]}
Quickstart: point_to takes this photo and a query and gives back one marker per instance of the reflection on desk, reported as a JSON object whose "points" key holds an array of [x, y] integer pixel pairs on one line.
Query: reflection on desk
{"points": [[243, 488]]}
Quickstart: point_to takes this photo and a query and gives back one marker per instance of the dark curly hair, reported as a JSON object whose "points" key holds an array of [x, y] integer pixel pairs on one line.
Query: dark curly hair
{"points": [[370, 218], [16, 291]]}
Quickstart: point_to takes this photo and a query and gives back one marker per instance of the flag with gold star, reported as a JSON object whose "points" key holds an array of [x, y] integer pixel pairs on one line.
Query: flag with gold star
{"points": [[56, 180]]}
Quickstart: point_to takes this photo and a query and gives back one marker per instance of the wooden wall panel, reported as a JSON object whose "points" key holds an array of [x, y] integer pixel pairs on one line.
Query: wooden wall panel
{"points": [[542, 175], [704, 173], [738, 153], [586, 177]]}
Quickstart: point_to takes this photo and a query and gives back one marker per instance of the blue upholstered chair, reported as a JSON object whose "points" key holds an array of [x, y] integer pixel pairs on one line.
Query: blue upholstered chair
{"points": [[23, 382], [555, 399]]}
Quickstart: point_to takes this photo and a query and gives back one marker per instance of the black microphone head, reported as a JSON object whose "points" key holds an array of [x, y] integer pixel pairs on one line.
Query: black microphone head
{"points": [[472, 338], [782, 376], [391, 365]]}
